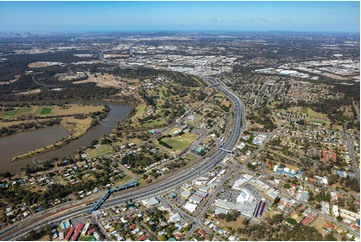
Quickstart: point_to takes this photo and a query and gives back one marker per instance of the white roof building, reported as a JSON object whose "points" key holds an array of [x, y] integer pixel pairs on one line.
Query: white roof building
{"points": [[245, 178], [174, 218], [190, 207], [244, 196], [335, 211], [150, 201]]}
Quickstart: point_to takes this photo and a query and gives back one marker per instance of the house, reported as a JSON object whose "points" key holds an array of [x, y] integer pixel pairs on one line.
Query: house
{"points": [[328, 155], [165, 207], [91, 231], [304, 196], [201, 232], [174, 218], [309, 218], [329, 227]]}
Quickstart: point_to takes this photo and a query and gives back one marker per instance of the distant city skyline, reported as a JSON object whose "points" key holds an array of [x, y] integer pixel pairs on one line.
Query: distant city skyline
{"points": [[179, 16]]}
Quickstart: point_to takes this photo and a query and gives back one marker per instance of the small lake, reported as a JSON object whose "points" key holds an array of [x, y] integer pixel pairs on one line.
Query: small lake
{"points": [[13, 145]]}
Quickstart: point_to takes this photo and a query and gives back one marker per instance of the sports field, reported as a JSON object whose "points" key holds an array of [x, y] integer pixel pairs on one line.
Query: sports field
{"points": [[45, 110], [180, 142], [100, 151]]}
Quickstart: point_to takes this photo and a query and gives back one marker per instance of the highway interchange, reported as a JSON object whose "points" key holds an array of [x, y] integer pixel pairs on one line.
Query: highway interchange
{"points": [[239, 123]]}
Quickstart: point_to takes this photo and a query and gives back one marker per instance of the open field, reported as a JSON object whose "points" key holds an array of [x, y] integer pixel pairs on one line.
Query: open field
{"points": [[233, 224], [181, 142], [76, 127], [155, 123], [41, 64], [52, 110], [122, 181], [34, 91], [318, 223], [16, 78], [105, 80], [100, 151], [139, 112], [191, 158]]}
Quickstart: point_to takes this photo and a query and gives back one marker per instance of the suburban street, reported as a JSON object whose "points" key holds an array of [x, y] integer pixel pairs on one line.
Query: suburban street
{"points": [[352, 153]]}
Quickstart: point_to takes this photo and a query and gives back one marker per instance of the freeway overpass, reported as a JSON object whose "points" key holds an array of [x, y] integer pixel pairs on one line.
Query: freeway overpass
{"points": [[157, 188]]}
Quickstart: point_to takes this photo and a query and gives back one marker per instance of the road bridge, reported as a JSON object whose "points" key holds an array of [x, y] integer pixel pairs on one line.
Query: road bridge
{"points": [[228, 151]]}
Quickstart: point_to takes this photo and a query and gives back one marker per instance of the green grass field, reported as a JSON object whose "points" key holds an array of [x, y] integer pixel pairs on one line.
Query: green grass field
{"points": [[182, 142], [100, 151], [19, 111], [191, 158], [45, 111], [87, 238]]}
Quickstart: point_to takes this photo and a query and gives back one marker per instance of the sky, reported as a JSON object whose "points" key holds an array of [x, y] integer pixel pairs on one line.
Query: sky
{"points": [[325, 16]]}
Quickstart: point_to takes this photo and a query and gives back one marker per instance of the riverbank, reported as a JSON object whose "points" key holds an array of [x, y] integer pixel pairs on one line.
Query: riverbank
{"points": [[14, 145], [77, 127]]}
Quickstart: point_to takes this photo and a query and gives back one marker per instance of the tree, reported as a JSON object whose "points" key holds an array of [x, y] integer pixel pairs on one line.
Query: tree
{"points": [[276, 201], [291, 221], [330, 237], [286, 186], [163, 238]]}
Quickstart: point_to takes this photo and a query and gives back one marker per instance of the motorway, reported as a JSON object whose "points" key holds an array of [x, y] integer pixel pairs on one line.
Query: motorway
{"points": [[157, 188]]}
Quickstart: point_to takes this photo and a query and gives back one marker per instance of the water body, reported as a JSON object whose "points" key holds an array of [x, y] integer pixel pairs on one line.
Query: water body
{"points": [[11, 146]]}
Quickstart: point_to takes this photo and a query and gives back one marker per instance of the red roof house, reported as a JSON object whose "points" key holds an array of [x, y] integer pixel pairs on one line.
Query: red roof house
{"points": [[143, 237], [330, 226], [310, 217], [91, 231], [328, 155], [202, 232]]}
